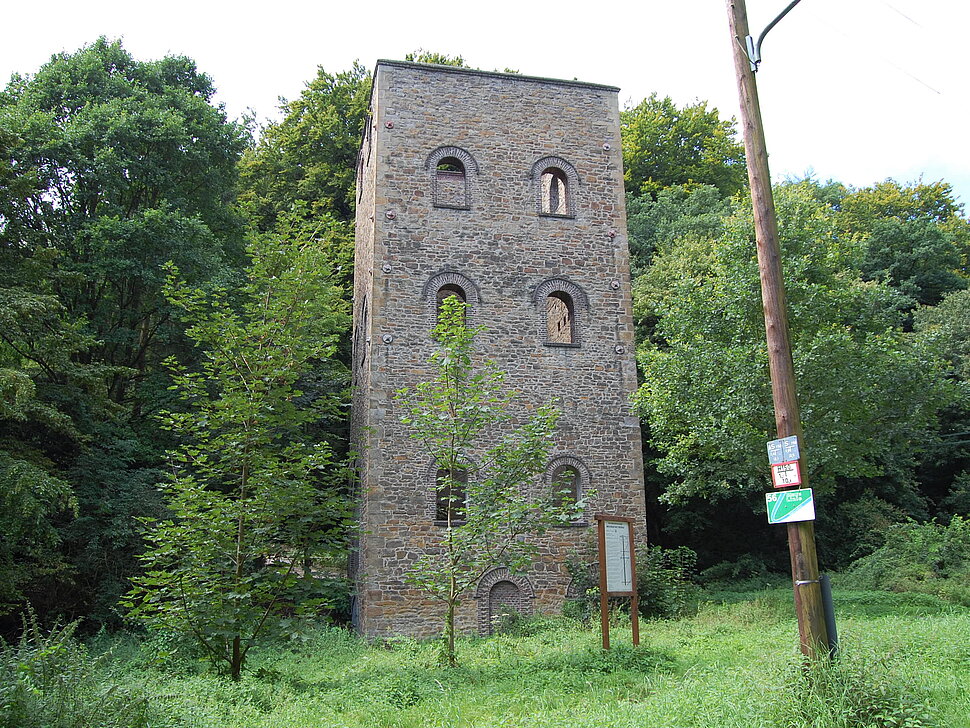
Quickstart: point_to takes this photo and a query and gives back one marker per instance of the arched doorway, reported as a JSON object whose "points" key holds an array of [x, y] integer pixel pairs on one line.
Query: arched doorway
{"points": [[500, 595]]}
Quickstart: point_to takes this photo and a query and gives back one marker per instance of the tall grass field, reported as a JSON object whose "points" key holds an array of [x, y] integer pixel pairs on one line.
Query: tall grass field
{"points": [[904, 662]]}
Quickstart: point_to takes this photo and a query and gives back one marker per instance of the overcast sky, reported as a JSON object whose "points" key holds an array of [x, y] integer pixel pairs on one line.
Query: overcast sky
{"points": [[855, 90]]}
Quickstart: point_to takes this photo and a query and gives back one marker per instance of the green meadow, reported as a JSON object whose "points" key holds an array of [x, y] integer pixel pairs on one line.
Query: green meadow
{"points": [[904, 662]]}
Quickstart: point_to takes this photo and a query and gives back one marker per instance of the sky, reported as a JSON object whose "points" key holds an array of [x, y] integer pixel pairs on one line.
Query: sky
{"points": [[853, 90]]}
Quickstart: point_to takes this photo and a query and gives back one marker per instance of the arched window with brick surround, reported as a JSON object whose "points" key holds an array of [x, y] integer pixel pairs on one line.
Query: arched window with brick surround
{"points": [[561, 306], [444, 285], [501, 593], [555, 183], [568, 481], [452, 172], [565, 485], [560, 318], [448, 290]]}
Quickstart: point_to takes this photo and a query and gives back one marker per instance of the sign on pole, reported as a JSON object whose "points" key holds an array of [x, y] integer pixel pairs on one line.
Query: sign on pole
{"points": [[618, 569], [790, 506], [784, 475], [783, 450]]}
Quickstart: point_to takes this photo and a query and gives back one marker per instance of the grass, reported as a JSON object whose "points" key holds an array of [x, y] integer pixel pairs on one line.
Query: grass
{"points": [[905, 664]]}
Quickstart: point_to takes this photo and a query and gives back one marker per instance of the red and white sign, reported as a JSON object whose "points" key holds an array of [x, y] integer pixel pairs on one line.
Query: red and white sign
{"points": [[787, 474]]}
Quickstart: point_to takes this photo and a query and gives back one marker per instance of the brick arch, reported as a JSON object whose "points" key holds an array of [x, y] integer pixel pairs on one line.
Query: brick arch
{"points": [[572, 182], [471, 165], [568, 461], [443, 193], [551, 286], [498, 580], [451, 278]]}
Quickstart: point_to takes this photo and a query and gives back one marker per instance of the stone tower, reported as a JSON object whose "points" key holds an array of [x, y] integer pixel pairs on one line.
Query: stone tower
{"points": [[507, 191]]}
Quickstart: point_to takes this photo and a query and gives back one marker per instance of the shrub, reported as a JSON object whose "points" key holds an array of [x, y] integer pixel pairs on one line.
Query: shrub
{"points": [[48, 680], [857, 691], [926, 557], [666, 585]]}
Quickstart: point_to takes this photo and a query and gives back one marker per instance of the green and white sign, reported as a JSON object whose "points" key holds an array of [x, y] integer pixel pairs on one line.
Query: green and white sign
{"points": [[790, 505]]}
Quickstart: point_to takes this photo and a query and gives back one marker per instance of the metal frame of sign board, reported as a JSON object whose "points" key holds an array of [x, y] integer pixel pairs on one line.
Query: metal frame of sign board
{"points": [[601, 521]]}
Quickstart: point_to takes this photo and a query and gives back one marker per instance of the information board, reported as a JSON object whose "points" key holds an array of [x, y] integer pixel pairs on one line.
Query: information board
{"points": [[619, 567]]}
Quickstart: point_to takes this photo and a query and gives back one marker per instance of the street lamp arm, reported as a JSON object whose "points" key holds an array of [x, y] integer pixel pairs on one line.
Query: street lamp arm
{"points": [[754, 48]]}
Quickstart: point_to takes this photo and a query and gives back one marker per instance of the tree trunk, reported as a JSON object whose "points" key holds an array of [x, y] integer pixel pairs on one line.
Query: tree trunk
{"points": [[235, 666], [450, 634]]}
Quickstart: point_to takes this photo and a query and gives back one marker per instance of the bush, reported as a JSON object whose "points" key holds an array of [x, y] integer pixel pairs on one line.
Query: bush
{"points": [[666, 585], [924, 557], [50, 681]]}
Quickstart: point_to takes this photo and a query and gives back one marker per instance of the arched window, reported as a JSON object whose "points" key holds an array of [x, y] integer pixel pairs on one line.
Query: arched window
{"points": [[446, 292], [566, 485], [554, 191], [555, 182], [450, 495], [449, 183], [568, 481], [445, 285], [559, 318], [452, 170], [561, 306]]}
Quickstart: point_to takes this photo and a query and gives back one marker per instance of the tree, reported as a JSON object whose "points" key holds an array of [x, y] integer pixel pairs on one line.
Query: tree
{"points": [[441, 59], [915, 237], [110, 167], [870, 393], [119, 166], [664, 145], [253, 496], [676, 212], [305, 165], [489, 515]]}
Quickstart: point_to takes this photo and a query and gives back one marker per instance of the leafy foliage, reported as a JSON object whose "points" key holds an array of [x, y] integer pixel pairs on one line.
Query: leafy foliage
{"points": [[666, 584], [304, 165], [928, 557], [678, 211], [254, 499], [664, 146], [706, 393], [111, 167], [914, 238], [452, 416], [49, 680], [441, 59]]}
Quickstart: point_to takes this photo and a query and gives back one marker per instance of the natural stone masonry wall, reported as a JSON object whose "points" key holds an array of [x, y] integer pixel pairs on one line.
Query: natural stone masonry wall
{"points": [[508, 257]]}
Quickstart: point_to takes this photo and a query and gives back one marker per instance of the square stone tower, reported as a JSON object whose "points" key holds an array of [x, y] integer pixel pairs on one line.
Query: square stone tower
{"points": [[506, 191]]}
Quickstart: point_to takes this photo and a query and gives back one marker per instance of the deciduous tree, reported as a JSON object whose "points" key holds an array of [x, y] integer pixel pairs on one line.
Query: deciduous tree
{"points": [[252, 494], [664, 145], [491, 513], [870, 393]]}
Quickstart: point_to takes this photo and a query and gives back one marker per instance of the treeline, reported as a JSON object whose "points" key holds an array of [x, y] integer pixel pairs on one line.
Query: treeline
{"points": [[112, 168]]}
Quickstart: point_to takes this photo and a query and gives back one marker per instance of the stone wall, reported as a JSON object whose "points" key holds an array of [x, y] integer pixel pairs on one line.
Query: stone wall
{"points": [[419, 230]]}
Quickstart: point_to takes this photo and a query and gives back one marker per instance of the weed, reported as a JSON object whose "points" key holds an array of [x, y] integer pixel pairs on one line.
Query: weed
{"points": [[48, 680], [859, 690]]}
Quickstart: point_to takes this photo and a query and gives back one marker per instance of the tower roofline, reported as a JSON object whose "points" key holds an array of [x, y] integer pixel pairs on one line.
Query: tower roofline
{"points": [[438, 68]]}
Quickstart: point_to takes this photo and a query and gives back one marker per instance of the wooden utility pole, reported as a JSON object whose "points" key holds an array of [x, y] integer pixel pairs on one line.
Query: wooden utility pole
{"points": [[801, 535]]}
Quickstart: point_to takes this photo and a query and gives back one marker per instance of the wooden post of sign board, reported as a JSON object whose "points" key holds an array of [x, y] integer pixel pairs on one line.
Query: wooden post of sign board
{"points": [[604, 601], [605, 593]]}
